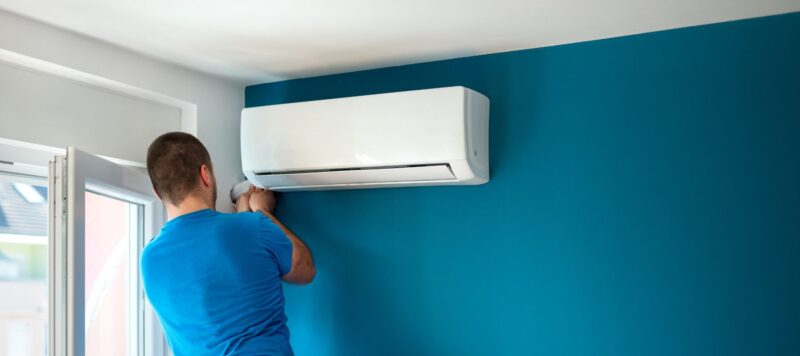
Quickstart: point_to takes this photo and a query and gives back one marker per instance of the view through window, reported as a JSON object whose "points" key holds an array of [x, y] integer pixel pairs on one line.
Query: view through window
{"points": [[112, 229], [23, 265]]}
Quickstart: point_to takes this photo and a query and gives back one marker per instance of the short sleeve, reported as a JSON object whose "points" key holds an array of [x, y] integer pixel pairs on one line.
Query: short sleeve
{"points": [[276, 243]]}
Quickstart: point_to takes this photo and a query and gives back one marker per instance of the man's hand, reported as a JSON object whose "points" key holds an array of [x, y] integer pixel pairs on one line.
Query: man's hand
{"points": [[262, 200], [243, 203]]}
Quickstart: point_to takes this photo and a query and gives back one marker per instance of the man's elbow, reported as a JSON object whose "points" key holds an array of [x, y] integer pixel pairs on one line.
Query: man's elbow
{"points": [[309, 275], [305, 277]]}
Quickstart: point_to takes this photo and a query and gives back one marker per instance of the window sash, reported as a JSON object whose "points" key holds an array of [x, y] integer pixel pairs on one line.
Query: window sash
{"points": [[71, 176]]}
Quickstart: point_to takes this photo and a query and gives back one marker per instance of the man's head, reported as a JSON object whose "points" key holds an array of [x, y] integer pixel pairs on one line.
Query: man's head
{"points": [[180, 167]]}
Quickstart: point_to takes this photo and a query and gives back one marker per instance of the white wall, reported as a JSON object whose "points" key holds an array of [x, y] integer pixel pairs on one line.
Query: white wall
{"points": [[54, 111], [219, 100]]}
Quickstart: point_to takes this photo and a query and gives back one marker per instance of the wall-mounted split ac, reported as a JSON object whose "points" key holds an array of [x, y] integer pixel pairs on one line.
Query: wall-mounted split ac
{"points": [[413, 138]]}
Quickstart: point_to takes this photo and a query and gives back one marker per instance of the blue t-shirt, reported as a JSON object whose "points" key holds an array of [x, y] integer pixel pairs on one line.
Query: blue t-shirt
{"points": [[214, 282]]}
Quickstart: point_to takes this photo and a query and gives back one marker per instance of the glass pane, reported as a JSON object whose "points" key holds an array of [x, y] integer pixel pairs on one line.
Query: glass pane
{"points": [[23, 266], [111, 236]]}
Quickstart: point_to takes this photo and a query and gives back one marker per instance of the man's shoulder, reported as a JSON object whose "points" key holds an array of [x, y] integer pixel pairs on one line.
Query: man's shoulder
{"points": [[242, 224], [239, 218], [150, 254]]}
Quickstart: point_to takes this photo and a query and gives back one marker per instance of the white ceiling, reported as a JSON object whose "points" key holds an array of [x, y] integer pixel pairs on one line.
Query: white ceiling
{"points": [[254, 41]]}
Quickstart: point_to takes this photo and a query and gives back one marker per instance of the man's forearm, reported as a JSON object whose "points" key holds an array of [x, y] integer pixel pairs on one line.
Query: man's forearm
{"points": [[303, 269]]}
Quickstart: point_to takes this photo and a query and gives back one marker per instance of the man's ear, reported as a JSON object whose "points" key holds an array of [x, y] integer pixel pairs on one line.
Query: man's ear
{"points": [[205, 176]]}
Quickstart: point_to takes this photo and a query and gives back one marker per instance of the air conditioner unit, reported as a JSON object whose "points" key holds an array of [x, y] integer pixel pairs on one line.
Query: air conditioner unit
{"points": [[412, 138]]}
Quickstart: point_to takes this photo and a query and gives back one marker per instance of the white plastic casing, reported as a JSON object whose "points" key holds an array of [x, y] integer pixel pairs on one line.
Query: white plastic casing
{"points": [[412, 138]]}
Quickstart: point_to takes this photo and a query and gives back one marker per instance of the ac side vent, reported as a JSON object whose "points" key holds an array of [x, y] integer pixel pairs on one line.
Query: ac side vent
{"points": [[266, 173], [373, 176]]}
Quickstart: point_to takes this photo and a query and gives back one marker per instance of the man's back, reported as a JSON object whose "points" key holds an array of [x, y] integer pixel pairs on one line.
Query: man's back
{"points": [[214, 281]]}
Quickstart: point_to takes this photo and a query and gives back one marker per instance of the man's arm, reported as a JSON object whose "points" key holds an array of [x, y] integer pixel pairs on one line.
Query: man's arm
{"points": [[303, 270]]}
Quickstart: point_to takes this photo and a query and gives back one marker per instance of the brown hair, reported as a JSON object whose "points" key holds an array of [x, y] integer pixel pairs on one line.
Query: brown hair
{"points": [[173, 162]]}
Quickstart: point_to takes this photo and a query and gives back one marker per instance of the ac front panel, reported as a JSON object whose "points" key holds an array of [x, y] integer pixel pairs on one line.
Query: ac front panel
{"points": [[374, 130], [421, 137]]}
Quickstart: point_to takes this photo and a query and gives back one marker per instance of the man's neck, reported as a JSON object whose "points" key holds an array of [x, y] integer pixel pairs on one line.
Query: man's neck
{"points": [[189, 205]]}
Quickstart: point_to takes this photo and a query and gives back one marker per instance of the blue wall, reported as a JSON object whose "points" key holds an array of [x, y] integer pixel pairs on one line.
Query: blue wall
{"points": [[644, 200]]}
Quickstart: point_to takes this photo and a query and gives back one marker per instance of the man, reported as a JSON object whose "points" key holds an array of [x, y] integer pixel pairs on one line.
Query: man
{"points": [[214, 279]]}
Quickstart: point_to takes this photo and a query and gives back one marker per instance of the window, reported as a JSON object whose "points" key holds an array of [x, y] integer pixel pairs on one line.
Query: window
{"points": [[70, 239]]}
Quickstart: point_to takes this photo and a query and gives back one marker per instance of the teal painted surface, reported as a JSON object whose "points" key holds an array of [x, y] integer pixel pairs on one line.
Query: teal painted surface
{"points": [[644, 200]]}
